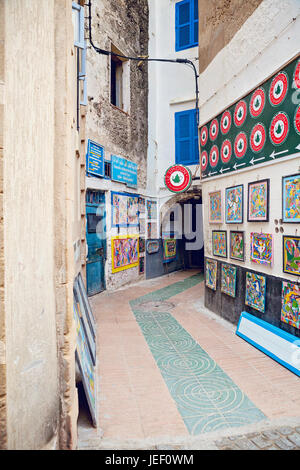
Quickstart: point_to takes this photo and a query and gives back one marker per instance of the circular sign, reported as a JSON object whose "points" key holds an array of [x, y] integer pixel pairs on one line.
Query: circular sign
{"points": [[297, 120], [278, 89], [258, 137], [226, 151], [204, 160], [257, 102], [178, 178], [213, 129], [203, 135], [225, 122], [297, 75], [240, 113], [214, 156], [240, 145], [279, 128]]}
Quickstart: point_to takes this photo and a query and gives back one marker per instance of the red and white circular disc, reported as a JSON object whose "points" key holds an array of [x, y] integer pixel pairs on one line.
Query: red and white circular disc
{"points": [[225, 122], [203, 135], [278, 89], [258, 137], [214, 156], [213, 130], [279, 128], [257, 102], [297, 75], [204, 160], [226, 151], [240, 145], [178, 178], [240, 113], [297, 120]]}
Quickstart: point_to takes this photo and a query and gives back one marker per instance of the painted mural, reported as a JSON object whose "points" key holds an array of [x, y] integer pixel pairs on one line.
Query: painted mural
{"points": [[258, 201], [219, 243], [211, 268], [261, 248], [291, 255], [124, 210], [237, 245], [228, 279], [125, 252], [255, 291], [290, 309], [215, 207], [291, 198], [234, 205]]}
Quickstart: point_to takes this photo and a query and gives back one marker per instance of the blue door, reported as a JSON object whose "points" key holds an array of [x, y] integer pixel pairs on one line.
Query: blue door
{"points": [[96, 241]]}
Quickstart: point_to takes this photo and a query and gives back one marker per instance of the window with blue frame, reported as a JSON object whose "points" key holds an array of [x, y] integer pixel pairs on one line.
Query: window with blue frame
{"points": [[186, 24], [186, 138]]}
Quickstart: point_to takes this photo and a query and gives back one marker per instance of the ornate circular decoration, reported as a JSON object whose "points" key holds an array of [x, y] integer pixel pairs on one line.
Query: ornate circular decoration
{"points": [[226, 151], [297, 75], [258, 137], [204, 160], [240, 113], [257, 102], [278, 89], [213, 129], [214, 156], [178, 178], [240, 145], [203, 135], [279, 128], [297, 120], [225, 122]]}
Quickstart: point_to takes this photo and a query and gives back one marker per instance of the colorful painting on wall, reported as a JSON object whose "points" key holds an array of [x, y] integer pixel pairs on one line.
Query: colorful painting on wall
{"points": [[124, 210], [261, 248], [255, 291], [237, 245], [211, 267], [234, 205], [169, 245], [291, 198], [151, 229], [141, 205], [132, 210], [290, 307], [152, 246], [258, 201], [142, 265], [215, 207], [125, 252], [291, 254], [228, 279], [151, 209], [141, 245], [219, 243]]}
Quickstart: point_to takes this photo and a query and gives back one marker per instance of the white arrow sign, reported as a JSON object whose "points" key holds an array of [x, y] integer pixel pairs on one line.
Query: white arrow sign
{"points": [[224, 169], [237, 165], [252, 161], [277, 153], [211, 173]]}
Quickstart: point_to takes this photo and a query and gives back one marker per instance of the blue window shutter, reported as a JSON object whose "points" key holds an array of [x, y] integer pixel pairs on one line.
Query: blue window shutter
{"points": [[186, 138], [186, 24]]}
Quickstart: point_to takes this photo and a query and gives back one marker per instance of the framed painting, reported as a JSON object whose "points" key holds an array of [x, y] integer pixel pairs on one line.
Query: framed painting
{"points": [[228, 279], [261, 248], [290, 306], [141, 205], [152, 246], [151, 229], [142, 265], [258, 201], [291, 254], [219, 243], [125, 210], [234, 205], [237, 245], [255, 291], [215, 207], [151, 209], [211, 268], [125, 252], [169, 246], [291, 198], [141, 245]]}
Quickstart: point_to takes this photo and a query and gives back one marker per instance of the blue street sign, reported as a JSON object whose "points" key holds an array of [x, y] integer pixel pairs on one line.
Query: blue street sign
{"points": [[124, 171], [95, 159]]}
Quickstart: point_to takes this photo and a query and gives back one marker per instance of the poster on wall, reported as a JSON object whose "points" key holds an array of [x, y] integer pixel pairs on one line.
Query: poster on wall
{"points": [[258, 201], [211, 268], [125, 210], [255, 291], [169, 247], [291, 254], [215, 207], [261, 248], [291, 199], [290, 310], [260, 128], [125, 252]]}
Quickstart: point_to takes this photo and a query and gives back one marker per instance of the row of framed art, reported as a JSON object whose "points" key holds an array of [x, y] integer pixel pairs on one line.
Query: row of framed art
{"points": [[261, 248], [255, 290], [258, 202]]}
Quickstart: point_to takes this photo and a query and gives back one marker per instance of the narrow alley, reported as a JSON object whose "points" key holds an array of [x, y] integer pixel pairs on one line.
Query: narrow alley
{"points": [[171, 373]]}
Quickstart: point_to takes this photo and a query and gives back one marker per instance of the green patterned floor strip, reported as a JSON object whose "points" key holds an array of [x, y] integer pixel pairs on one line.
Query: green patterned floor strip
{"points": [[207, 399]]}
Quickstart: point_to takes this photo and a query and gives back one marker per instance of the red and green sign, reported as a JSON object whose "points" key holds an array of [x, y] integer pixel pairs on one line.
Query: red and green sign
{"points": [[178, 178], [260, 128]]}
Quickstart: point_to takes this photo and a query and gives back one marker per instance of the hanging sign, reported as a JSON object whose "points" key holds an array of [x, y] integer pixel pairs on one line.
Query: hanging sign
{"points": [[178, 178], [260, 128], [95, 159]]}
